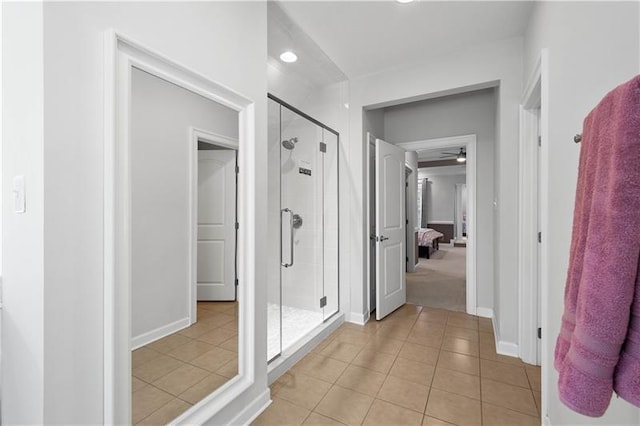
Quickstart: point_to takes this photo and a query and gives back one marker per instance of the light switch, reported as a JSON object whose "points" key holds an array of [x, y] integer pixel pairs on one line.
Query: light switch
{"points": [[19, 200]]}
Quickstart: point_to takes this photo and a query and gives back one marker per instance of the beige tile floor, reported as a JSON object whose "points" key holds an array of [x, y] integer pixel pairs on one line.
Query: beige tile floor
{"points": [[419, 366], [173, 373]]}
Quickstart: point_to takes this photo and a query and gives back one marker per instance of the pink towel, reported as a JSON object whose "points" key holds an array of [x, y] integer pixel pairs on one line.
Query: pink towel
{"points": [[602, 281]]}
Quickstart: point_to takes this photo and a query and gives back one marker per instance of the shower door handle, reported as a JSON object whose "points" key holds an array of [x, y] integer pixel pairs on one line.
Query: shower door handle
{"points": [[286, 210]]}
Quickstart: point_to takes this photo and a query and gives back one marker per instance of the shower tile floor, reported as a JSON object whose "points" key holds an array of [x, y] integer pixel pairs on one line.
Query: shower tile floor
{"points": [[296, 323]]}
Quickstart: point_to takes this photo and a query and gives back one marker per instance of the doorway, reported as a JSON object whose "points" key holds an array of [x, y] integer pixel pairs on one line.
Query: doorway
{"points": [[468, 142], [439, 280], [468, 145]]}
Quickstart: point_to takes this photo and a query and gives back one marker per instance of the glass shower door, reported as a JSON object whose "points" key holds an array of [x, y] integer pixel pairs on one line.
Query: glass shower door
{"points": [[330, 264], [302, 227], [303, 283], [274, 294]]}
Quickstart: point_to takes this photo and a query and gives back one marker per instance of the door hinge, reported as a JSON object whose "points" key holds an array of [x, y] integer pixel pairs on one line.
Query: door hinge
{"points": [[237, 170], [539, 140], [539, 333], [237, 226], [539, 237], [407, 258], [407, 221], [323, 301], [237, 282], [406, 184], [323, 147]]}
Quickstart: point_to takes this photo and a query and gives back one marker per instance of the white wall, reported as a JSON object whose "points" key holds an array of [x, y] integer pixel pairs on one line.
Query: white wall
{"points": [[374, 122], [482, 66], [54, 345], [441, 197], [587, 58], [161, 144], [23, 240]]}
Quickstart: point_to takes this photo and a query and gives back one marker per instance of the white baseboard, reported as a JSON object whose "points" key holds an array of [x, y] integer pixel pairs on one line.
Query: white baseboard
{"points": [[507, 348], [159, 333], [502, 347], [484, 312], [357, 318], [253, 409]]}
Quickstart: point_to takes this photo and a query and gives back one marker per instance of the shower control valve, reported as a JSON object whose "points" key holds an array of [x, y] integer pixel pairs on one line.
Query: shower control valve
{"points": [[297, 221]]}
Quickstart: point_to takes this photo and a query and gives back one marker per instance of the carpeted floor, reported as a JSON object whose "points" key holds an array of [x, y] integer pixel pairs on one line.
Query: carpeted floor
{"points": [[440, 282]]}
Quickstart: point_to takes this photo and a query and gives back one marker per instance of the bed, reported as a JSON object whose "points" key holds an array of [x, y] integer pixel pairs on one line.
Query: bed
{"points": [[428, 241]]}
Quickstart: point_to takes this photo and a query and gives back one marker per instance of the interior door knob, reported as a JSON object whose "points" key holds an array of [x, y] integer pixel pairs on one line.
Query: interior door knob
{"points": [[382, 238]]}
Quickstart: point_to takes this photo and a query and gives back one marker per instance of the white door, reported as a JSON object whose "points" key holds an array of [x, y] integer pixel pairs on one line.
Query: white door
{"points": [[216, 248], [391, 291]]}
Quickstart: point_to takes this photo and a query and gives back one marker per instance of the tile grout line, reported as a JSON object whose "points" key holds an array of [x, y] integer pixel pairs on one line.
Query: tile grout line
{"points": [[184, 363], [395, 356], [434, 373], [385, 379]]}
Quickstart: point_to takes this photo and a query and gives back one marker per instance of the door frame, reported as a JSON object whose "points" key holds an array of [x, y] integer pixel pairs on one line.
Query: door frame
{"points": [[199, 135], [535, 96], [121, 55], [370, 253], [469, 142]]}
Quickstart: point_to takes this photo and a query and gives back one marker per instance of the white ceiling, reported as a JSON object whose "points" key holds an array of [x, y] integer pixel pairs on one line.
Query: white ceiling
{"points": [[364, 37], [313, 65]]}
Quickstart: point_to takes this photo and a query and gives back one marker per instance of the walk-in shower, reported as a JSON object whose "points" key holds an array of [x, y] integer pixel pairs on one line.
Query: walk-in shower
{"points": [[303, 272]]}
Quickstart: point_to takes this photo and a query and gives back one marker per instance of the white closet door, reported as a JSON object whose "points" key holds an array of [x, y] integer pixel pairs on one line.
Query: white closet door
{"points": [[216, 247]]}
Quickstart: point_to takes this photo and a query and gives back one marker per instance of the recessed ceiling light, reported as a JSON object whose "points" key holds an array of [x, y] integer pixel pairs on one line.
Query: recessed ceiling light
{"points": [[404, 1], [288, 56]]}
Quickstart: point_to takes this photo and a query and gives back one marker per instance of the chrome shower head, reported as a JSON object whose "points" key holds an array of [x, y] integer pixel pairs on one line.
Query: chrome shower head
{"points": [[290, 143]]}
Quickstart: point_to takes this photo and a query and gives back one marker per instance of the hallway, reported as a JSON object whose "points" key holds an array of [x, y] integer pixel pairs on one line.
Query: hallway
{"points": [[417, 366], [440, 282]]}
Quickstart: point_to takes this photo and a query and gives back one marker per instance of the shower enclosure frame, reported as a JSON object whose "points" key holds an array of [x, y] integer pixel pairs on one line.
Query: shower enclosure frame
{"points": [[337, 134]]}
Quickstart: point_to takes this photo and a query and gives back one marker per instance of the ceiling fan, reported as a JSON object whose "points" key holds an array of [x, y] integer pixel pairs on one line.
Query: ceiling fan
{"points": [[460, 156]]}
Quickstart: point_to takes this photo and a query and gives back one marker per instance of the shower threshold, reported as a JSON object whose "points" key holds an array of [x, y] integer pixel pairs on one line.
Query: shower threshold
{"points": [[297, 350]]}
